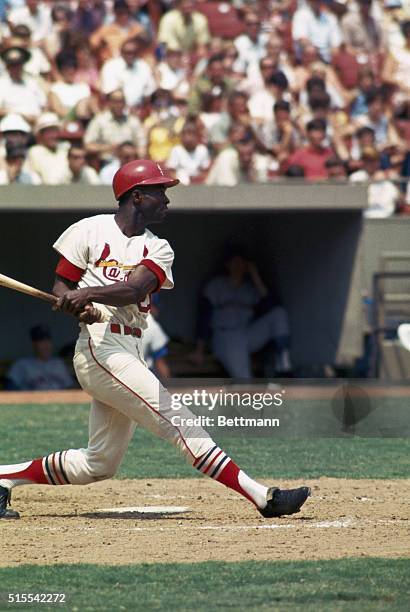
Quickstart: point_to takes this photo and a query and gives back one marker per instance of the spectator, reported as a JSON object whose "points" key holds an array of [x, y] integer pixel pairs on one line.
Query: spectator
{"points": [[377, 118], [366, 85], [213, 108], [42, 372], [13, 170], [382, 195], [163, 125], [38, 64], [314, 24], [251, 45], [240, 163], [262, 102], [259, 74], [397, 66], [36, 16], [237, 113], [313, 157], [87, 71], [144, 13], [14, 130], [184, 28], [363, 138], [125, 152], [295, 171], [214, 80], [88, 16], [62, 37], [189, 160], [227, 314], [172, 73], [113, 126], [336, 169], [68, 99], [19, 93], [78, 171], [155, 342], [48, 158], [155, 348], [109, 39], [361, 32], [280, 136], [130, 73]]}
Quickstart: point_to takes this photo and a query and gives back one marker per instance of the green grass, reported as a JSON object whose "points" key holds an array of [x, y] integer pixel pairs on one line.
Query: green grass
{"points": [[32, 431], [348, 584]]}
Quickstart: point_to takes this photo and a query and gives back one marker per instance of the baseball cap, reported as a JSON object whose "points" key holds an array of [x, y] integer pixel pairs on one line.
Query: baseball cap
{"points": [[14, 123], [15, 55], [47, 120], [39, 332]]}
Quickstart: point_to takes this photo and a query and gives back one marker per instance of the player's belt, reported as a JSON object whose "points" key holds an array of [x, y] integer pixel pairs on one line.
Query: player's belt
{"points": [[116, 328]]}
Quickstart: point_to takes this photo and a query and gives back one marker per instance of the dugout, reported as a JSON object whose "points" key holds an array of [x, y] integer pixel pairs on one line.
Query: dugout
{"points": [[307, 240]]}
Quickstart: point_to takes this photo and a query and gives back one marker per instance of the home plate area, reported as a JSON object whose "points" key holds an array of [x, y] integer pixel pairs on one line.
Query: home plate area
{"points": [[119, 522]]}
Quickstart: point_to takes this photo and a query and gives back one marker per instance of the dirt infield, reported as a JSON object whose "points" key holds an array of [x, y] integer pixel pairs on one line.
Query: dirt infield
{"points": [[343, 518]]}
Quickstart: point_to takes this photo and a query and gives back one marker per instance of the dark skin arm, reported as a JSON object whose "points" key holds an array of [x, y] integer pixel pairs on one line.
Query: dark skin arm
{"points": [[140, 283]]}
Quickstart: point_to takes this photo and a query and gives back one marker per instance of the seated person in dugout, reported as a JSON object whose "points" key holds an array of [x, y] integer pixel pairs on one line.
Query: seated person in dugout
{"points": [[228, 314], [42, 371]]}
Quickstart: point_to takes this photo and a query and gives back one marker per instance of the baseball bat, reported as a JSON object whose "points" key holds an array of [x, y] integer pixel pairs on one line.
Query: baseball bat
{"points": [[11, 283]]}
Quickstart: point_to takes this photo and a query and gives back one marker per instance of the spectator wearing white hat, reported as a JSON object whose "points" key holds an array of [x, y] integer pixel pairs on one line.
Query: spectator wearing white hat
{"points": [[19, 93], [48, 158], [15, 130]]}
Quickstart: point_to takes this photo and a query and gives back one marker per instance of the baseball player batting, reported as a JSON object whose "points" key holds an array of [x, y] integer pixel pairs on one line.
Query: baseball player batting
{"points": [[112, 260]]}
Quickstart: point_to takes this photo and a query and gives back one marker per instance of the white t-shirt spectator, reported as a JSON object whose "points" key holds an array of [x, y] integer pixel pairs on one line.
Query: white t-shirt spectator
{"points": [[50, 166], [381, 196], [25, 98], [322, 31], [38, 63], [69, 94], [174, 80], [40, 23], [137, 81], [188, 164], [250, 52], [226, 170]]}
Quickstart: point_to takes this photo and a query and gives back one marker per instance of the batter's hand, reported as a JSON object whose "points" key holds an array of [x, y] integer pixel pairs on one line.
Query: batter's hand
{"points": [[89, 315], [73, 302]]}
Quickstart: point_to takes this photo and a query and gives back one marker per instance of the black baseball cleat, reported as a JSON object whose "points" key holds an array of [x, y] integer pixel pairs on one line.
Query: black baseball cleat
{"points": [[286, 501], [6, 513]]}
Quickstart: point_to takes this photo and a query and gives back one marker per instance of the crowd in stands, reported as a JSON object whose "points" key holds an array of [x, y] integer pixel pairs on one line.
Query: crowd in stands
{"points": [[218, 92]]}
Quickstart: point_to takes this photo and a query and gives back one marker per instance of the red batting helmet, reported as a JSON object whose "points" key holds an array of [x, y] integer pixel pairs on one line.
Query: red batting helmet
{"points": [[139, 172]]}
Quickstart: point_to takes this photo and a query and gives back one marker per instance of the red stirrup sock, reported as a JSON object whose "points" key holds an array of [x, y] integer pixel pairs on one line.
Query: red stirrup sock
{"points": [[47, 470], [217, 465]]}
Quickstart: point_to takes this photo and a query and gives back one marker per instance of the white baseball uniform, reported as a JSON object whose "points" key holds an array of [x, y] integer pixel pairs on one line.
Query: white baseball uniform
{"points": [[109, 360]]}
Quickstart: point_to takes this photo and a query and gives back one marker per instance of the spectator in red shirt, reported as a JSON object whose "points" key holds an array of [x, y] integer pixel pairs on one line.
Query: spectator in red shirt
{"points": [[312, 158]]}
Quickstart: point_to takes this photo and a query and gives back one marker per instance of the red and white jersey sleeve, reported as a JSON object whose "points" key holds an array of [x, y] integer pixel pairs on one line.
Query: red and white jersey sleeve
{"points": [[73, 244], [159, 259]]}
